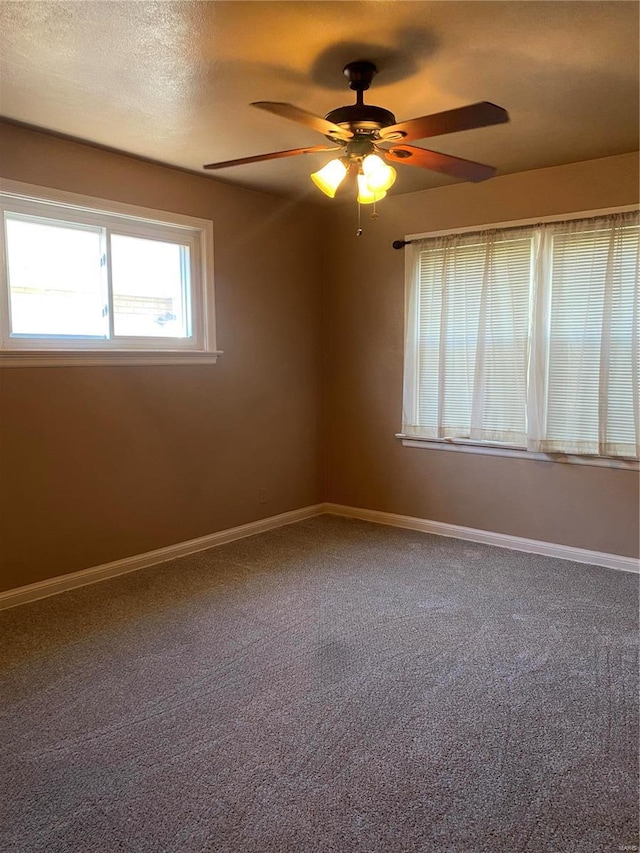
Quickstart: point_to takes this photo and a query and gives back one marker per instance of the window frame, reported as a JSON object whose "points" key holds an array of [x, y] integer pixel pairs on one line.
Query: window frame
{"points": [[490, 448], [115, 218]]}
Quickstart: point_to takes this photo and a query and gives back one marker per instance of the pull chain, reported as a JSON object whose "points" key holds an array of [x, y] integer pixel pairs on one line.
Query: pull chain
{"points": [[358, 229]]}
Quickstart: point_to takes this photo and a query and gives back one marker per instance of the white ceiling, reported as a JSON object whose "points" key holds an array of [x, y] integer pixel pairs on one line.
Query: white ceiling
{"points": [[173, 81]]}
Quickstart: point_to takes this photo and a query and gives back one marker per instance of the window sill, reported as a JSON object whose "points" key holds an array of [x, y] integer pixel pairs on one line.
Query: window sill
{"points": [[102, 358], [518, 453]]}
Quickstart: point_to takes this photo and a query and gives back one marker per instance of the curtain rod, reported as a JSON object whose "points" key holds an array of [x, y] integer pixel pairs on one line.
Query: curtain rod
{"points": [[521, 223]]}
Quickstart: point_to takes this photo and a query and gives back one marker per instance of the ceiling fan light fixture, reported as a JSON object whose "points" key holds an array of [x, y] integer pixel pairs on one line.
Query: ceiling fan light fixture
{"points": [[329, 178], [361, 129], [379, 176], [365, 194]]}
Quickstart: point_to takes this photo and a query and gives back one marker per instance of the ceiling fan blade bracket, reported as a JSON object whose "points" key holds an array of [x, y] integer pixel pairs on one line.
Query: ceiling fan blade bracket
{"points": [[398, 153]]}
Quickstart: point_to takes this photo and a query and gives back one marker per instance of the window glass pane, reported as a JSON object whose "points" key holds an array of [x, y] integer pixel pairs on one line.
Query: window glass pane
{"points": [[150, 281], [55, 278]]}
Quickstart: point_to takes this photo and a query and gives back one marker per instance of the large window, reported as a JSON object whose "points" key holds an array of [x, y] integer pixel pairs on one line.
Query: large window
{"points": [[86, 280], [527, 337]]}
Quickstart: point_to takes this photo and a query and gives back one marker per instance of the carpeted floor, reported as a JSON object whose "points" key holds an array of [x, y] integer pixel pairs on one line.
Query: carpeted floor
{"points": [[330, 686]]}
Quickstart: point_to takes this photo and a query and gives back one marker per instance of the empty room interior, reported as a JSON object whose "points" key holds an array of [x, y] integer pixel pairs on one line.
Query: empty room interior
{"points": [[319, 426]]}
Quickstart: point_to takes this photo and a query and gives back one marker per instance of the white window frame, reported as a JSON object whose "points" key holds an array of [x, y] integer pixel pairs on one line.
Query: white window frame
{"points": [[120, 219], [494, 448]]}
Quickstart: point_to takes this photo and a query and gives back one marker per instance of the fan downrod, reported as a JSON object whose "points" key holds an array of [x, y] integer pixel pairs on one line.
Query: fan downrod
{"points": [[364, 120]]}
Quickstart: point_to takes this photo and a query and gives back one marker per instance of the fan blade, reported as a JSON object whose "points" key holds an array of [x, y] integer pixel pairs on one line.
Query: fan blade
{"points": [[450, 121], [321, 125], [293, 152], [447, 164]]}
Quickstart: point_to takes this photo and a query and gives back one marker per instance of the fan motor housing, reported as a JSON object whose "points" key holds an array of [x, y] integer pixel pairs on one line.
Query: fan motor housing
{"points": [[361, 118]]}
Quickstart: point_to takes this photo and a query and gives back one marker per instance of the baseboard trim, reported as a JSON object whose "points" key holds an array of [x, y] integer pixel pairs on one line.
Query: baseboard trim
{"points": [[501, 540], [63, 583]]}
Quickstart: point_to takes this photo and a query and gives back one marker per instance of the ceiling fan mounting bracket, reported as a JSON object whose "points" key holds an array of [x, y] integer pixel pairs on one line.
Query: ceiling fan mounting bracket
{"points": [[359, 74]]}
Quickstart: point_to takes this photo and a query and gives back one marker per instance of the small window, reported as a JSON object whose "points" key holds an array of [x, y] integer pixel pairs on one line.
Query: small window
{"points": [[112, 282]]}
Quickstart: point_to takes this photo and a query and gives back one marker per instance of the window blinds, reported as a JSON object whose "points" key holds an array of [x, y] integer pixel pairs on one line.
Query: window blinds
{"points": [[592, 334], [527, 337]]}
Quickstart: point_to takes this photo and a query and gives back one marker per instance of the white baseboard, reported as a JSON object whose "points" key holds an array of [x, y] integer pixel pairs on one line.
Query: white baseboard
{"points": [[501, 540], [52, 586]]}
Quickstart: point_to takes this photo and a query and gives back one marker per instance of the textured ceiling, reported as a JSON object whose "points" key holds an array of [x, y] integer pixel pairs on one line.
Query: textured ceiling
{"points": [[173, 81]]}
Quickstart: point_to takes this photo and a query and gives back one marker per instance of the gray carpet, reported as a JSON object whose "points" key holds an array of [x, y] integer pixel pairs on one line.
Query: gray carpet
{"points": [[329, 686]]}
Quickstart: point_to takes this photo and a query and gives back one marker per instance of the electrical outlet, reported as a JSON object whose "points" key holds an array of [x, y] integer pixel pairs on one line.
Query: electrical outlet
{"points": [[262, 495]]}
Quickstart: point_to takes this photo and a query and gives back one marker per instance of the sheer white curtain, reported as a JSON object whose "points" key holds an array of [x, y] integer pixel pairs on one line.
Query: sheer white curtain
{"points": [[527, 337], [467, 344], [584, 388]]}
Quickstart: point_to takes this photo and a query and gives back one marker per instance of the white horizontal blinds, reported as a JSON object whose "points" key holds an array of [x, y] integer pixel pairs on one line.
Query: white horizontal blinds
{"points": [[527, 336], [620, 424], [499, 407], [470, 318], [411, 339], [449, 273], [592, 377], [462, 275], [429, 289]]}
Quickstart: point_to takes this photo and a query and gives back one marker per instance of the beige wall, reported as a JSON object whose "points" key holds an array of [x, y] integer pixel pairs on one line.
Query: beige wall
{"points": [[102, 463], [365, 466], [97, 464]]}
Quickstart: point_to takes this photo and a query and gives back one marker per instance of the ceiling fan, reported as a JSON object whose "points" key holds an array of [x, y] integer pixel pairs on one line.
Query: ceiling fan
{"points": [[368, 136]]}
